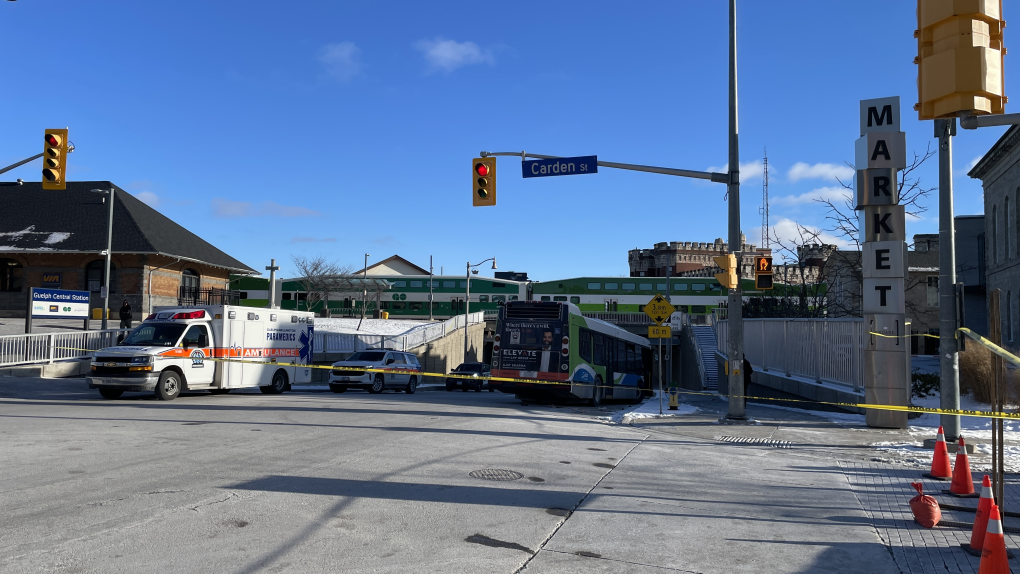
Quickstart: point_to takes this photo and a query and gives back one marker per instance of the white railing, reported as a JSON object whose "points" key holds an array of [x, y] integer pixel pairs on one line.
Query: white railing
{"points": [[49, 347], [348, 343], [826, 350], [621, 318]]}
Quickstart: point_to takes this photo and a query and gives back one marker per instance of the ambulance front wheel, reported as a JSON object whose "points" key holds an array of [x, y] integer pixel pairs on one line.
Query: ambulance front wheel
{"points": [[169, 386], [278, 384]]}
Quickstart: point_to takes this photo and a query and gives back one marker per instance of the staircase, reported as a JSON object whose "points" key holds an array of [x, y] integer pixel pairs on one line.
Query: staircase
{"points": [[704, 336]]}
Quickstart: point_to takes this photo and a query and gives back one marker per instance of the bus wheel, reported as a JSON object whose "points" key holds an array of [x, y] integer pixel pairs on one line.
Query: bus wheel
{"points": [[169, 386], [640, 393], [278, 384], [597, 393]]}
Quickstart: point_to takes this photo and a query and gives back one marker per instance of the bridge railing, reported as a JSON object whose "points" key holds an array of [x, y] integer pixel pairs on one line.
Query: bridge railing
{"points": [[326, 342], [826, 350]]}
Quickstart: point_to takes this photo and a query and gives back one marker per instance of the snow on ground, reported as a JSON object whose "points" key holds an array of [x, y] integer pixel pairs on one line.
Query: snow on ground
{"points": [[386, 327], [650, 410]]}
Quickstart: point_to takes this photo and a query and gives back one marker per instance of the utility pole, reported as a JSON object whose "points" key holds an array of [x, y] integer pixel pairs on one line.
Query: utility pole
{"points": [[430, 287], [735, 319], [949, 367], [272, 269]]}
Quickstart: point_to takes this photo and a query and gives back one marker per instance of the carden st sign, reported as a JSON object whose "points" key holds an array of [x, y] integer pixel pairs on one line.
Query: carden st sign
{"points": [[560, 166]]}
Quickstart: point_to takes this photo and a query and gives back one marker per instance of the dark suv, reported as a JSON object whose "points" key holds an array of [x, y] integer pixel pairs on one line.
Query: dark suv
{"points": [[479, 372]]}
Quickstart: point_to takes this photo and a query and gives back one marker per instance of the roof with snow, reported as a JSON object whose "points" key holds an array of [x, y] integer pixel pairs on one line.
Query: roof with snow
{"points": [[35, 220]]}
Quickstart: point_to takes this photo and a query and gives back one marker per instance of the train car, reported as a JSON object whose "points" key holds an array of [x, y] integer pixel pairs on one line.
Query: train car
{"points": [[693, 295]]}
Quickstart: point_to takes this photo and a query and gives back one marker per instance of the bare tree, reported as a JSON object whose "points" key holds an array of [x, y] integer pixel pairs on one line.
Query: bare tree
{"points": [[319, 277], [795, 253]]}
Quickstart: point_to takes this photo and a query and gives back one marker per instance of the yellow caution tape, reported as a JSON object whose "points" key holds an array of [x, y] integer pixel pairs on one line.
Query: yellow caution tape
{"points": [[1009, 357], [903, 336]]}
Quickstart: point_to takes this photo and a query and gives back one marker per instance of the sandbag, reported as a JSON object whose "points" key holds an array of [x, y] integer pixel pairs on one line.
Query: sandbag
{"points": [[925, 508]]}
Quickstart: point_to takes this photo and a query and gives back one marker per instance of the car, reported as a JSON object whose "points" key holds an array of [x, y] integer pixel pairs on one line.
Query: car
{"points": [[404, 372], [475, 370]]}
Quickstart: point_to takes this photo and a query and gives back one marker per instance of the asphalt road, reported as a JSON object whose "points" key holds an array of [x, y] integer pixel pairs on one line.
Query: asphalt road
{"points": [[319, 482]]}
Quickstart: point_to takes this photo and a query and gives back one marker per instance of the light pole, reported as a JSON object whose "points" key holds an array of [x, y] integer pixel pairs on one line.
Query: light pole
{"points": [[105, 289], [364, 292], [431, 281], [467, 299]]}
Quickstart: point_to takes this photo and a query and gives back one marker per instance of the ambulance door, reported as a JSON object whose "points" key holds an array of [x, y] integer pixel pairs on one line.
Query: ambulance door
{"points": [[197, 371], [234, 349], [254, 344]]}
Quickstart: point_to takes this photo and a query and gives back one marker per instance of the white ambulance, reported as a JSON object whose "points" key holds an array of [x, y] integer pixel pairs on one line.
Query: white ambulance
{"points": [[167, 352]]}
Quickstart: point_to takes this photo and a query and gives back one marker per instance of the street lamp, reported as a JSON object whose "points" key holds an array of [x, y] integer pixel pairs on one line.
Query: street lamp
{"points": [[105, 289], [467, 299]]}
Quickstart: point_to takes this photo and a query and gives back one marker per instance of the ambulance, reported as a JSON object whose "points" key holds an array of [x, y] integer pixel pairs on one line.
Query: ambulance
{"points": [[167, 353]]}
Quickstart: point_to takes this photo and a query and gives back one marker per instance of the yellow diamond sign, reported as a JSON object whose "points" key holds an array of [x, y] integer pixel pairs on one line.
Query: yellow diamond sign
{"points": [[659, 309]]}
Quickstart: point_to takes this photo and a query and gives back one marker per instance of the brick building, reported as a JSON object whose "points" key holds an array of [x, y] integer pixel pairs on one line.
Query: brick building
{"points": [[999, 172], [690, 259], [55, 239]]}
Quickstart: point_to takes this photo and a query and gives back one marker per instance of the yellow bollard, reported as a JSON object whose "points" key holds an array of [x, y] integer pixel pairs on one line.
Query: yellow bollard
{"points": [[674, 398]]}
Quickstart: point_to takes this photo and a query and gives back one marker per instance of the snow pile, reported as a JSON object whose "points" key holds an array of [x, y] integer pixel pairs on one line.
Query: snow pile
{"points": [[649, 410], [387, 327]]}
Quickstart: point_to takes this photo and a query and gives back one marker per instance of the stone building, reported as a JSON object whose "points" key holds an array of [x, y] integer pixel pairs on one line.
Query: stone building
{"points": [[999, 172], [56, 239], [690, 259]]}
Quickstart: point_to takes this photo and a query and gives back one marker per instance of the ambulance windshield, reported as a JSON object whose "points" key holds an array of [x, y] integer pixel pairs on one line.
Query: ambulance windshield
{"points": [[155, 334]]}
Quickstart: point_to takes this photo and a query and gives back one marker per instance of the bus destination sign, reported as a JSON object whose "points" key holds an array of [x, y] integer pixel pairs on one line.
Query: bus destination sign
{"points": [[560, 166]]}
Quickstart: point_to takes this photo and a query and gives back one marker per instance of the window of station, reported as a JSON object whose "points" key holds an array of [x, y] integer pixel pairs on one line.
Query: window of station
{"points": [[545, 298], [560, 298], [628, 286], [400, 283], [575, 300], [679, 286], [483, 298], [10, 275], [594, 286], [449, 284], [94, 276], [698, 287], [645, 286], [610, 286], [417, 284]]}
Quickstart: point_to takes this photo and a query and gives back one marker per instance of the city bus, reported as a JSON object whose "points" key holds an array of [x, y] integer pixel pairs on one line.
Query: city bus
{"points": [[570, 355]]}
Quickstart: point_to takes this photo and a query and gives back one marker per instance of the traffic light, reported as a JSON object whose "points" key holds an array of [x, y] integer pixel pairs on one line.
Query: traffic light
{"points": [[762, 272], [54, 159], [728, 278], [959, 58], [483, 181]]}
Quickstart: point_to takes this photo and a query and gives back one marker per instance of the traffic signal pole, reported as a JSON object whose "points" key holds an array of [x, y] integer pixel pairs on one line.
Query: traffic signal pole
{"points": [[949, 367]]}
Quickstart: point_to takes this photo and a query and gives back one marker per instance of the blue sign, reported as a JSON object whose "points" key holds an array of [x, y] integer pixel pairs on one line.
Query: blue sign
{"points": [[560, 166], [60, 304]]}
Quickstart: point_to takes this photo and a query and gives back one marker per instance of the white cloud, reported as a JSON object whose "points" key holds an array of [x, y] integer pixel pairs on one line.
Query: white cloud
{"points": [[787, 231], [973, 162], [227, 209], [801, 170], [748, 170], [148, 198], [340, 60], [448, 55], [834, 194]]}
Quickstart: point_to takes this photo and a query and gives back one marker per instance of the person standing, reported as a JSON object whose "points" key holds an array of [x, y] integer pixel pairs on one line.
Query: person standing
{"points": [[125, 315]]}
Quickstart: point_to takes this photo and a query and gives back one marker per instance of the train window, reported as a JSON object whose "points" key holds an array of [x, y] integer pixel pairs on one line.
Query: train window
{"points": [[585, 349], [698, 287], [449, 284], [628, 286], [562, 298], [595, 286], [416, 306], [679, 286], [400, 283], [416, 283], [698, 309], [661, 286], [715, 287], [499, 298], [545, 297], [513, 297], [383, 305], [463, 284], [483, 298], [575, 300], [399, 305], [286, 296], [645, 286], [612, 286]]}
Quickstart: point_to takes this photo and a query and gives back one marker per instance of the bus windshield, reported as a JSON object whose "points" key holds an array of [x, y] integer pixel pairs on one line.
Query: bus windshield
{"points": [[155, 334]]}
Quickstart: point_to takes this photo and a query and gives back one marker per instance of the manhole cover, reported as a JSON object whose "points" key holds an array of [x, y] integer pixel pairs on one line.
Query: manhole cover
{"points": [[496, 474], [756, 441]]}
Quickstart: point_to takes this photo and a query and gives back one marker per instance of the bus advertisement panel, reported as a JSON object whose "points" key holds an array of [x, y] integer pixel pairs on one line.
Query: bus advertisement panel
{"points": [[532, 347]]}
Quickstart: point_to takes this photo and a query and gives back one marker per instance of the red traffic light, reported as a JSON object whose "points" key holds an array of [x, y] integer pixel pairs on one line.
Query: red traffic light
{"points": [[53, 140], [481, 169]]}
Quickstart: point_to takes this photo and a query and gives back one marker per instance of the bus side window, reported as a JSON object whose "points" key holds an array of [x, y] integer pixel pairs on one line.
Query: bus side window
{"points": [[633, 364], [585, 345], [621, 357], [599, 350]]}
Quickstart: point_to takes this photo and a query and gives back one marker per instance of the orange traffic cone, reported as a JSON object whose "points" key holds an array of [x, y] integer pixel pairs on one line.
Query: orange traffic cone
{"points": [[977, 535], [940, 467], [993, 555], [962, 482]]}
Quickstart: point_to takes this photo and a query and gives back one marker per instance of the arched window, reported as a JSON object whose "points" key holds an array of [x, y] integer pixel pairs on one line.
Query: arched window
{"points": [[190, 279], [11, 275], [995, 238], [94, 276]]}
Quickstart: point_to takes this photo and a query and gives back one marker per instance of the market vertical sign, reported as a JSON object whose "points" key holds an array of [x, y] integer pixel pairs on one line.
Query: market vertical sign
{"points": [[59, 304]]}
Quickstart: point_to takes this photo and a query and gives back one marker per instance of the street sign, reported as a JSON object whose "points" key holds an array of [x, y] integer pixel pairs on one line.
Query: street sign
{"points": [[659, 309], [657, 332], [59, 304], [560, 166]]}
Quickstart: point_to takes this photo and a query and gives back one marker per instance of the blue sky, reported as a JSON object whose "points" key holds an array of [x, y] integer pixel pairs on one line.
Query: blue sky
{"points": [[275, 129]]}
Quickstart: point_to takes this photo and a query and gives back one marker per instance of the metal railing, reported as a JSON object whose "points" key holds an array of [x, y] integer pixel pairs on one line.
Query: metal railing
{"points": [[826, 350], [697, 353], [211, 296], [349, 342], [49, 347]]}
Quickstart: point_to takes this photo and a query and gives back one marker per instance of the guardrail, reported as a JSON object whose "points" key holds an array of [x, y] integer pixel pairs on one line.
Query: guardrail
{"points": [[349, 342], [621, 318], [826, 350], [49, 347]]}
